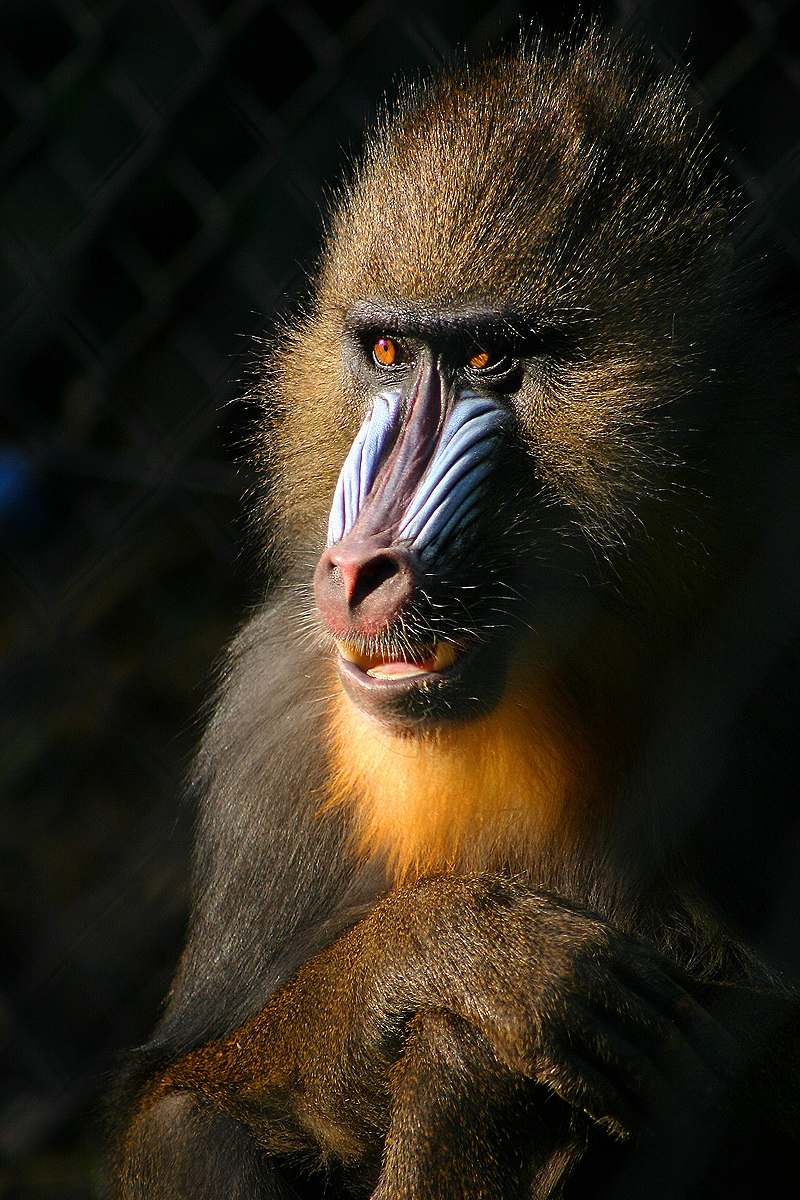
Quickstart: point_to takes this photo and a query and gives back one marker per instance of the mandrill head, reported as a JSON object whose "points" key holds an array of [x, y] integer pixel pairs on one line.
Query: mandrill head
{"points": [[506, 419]]}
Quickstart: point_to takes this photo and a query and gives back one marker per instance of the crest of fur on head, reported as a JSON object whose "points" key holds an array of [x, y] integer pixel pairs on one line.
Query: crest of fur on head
{"points": [[522, 177]]}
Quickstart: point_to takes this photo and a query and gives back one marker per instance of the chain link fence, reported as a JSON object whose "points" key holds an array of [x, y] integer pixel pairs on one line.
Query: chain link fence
{"points": [[164, 164]]}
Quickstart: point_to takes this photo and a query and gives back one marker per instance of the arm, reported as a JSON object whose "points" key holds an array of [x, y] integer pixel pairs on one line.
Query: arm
{"points": [[454, 997]]}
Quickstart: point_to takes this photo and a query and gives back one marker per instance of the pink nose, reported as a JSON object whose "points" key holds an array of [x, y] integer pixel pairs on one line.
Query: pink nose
{"points": [[361, 587]]}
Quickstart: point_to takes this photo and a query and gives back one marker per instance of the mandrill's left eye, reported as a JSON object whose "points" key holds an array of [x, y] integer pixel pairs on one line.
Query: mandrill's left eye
{"points": [[479, 359], [492, 368], [491, 361]]}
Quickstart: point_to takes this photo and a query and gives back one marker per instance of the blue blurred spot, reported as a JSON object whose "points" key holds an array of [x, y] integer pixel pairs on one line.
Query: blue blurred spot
{"points": [[22, 505]]}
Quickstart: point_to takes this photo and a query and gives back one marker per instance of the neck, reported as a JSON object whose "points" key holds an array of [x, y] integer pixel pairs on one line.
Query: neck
{"points": [[480, 793]]}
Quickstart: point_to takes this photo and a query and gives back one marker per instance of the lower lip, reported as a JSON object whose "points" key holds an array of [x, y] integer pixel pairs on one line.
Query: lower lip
{"points": [[469, 687]]}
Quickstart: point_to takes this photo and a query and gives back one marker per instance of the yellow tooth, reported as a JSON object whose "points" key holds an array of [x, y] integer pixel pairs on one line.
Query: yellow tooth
{"points": [[348, 653], [446, 654]]}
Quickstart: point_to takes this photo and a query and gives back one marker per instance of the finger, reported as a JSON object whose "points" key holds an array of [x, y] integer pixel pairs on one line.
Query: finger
{"points": [[709, 1038], [581, 1085]]}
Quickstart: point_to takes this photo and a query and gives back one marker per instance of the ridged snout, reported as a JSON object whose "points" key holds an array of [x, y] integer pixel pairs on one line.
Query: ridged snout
{"points": [[409, 495]]}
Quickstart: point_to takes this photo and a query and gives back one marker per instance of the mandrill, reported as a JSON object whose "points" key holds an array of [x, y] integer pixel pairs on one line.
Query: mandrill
{"points": [[498, 779]]}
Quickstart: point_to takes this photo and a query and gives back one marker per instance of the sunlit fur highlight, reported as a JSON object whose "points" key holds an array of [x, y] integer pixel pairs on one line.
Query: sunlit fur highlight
{"points": [[487, 791]]}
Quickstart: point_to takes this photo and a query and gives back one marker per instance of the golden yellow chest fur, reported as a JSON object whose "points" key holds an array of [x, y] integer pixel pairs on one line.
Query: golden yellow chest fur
{"points": [[480, 792]]}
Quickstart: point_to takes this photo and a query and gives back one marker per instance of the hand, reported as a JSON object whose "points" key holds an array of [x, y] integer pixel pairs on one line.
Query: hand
{"points": [[560, 995]]}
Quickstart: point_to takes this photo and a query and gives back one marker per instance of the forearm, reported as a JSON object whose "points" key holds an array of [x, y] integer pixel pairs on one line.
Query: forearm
{"points": [[292, 1070]]}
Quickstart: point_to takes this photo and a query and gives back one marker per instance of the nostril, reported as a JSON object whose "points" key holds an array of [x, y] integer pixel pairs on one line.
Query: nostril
{"points": [[362, 588], [368, 577]]}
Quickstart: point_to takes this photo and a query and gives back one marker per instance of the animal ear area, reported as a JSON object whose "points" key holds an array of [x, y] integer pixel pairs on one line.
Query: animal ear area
{"points": [[360, 467]]}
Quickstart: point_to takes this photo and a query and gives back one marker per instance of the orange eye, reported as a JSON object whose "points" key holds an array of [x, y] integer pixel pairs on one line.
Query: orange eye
{"points": [[384, 352], [479, 360]]}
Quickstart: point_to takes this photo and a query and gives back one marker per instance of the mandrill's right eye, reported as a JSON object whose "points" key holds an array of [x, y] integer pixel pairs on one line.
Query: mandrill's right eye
{"points": [[385, 352]]}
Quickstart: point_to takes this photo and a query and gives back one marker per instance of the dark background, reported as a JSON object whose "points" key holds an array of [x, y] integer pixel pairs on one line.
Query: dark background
{"points": [[163, 164]]}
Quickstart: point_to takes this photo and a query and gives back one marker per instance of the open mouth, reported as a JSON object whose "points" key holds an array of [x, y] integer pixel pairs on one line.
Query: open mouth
{"points": [[408, 688], [389, 665]]}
